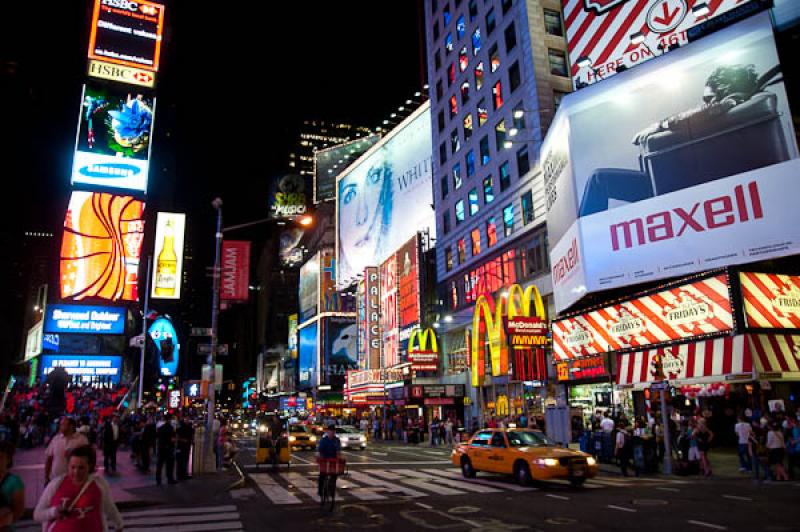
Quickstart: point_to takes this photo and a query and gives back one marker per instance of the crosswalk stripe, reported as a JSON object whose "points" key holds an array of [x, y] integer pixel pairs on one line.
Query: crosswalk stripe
{"points": [[482, 481], [417, 483], [302, 483], [273, 491], [388, 486], [477, 488]]}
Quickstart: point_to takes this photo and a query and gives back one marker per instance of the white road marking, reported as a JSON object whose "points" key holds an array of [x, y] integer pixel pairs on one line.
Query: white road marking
{"points": [[388, 486], [481, 481], [436, 489], [674, 490], [621, 508], [274, 491], [738, 498], [559, 497], [426, 506], [185, 511], [302, 483], [477, 488], [707, 525], [379, 454], [363, 456]]}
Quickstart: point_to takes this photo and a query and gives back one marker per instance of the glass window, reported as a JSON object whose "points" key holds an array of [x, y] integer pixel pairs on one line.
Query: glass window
{"points": [[446, 222], [455, 142], [439, 90], [508, 219], [448, 42], [462, 250], [463, 60], [523, 161], [519, 117], [505, 176], [460, 27], [459, 212], [490, 22], [446, 16], [557, 97], [497, 95], [484, 148], [506, 5], [475, 237], [499, 135], [498, 440], [470, 163], [442, 153], [476, 41], [434, 6], [457, 181], [479, 76], [558, 62], [453, 106], [464, 92], [451, 74], [552, 23], [488, 190], [440, 120], [468, 129], [474, 205], [443, 183], [448, 258], [483, 112], [510, 35], [494, 58], [536, 255], [473, 9], [528, 439], [514, 78], [527, 207], [491, 231], [437, 59]]}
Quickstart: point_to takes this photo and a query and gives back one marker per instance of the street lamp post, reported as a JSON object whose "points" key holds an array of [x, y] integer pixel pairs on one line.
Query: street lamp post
{"points": [[212, 356]]}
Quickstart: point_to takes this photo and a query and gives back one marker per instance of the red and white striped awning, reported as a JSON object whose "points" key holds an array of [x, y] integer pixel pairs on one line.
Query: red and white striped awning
{"points": [[722, 359], [777, 356]]}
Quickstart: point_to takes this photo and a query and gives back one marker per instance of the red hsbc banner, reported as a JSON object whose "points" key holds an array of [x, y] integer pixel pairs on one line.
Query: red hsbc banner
{"points": [[613, 33], [686, 311], [235, 270], [771, 300]]}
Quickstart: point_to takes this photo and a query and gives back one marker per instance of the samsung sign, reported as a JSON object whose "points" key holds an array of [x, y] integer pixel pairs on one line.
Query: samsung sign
{"points": [[84, 319], [698, 172]]}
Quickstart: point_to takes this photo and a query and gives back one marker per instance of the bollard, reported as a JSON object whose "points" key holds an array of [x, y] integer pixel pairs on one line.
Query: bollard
{"points": [[198, 465]]}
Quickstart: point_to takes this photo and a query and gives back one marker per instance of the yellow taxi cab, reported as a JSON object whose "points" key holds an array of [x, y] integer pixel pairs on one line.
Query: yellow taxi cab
{"points": [[526, 454], [301, 437]]}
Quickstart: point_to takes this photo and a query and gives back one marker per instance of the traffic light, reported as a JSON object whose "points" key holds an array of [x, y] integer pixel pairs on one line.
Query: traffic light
{"points": [[656, 367]]}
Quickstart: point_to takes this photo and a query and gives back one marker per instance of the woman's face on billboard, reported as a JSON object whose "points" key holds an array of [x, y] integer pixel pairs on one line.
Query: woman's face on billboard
{"points": [[360, 214]]}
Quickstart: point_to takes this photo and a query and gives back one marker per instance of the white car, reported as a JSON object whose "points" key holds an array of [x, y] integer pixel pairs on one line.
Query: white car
{"points": [[351, 437]]}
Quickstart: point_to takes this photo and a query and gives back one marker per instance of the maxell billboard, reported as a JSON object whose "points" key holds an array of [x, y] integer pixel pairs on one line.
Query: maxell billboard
{"points": [[698, 172]]}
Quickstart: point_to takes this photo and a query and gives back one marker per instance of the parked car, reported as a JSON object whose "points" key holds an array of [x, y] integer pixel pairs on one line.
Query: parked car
{"points": [[526, 454], [301, 437], [351, 437]]}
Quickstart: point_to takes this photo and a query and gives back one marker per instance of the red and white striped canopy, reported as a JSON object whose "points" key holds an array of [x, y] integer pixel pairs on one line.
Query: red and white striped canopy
{"points": [[777, 356]]}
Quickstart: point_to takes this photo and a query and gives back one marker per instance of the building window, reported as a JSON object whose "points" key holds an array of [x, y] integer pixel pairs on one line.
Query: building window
{"points": [[459, 212], [490, 22], [453, 106], [436, 30], [475, 237], [479, 76], [494, 58], [488, 190], [463, 60], [462, 251], [442, 153], [470, 163], [506, 5], [439, 90], [455, 142], [519, 117], [473, 9], [446, 222], [476, 41], [484, 148], [536, 256], [440, 120], [558, 62], [434, 6], [499, 135], [460, 27], [446, 17], [448, 43], [514, 78], [451, 74], [474, 205], [457, 181], [508, 220], [510, 35], [505, 176], [444, 185], [527, 207], [552, 23], [464, 92], [467, 127], [557, 97], [437, 59], [523, 161], [483, 112], [497, 95], [491, 231], [448, 258]]}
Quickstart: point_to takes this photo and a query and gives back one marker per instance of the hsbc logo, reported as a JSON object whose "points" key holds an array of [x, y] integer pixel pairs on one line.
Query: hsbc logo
{"points": [[122, 74], [122, 4], [601, 6]]}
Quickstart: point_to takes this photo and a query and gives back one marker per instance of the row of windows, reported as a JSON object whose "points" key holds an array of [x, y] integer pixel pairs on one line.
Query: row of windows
{"points": [[447, 15], [474, 237]]}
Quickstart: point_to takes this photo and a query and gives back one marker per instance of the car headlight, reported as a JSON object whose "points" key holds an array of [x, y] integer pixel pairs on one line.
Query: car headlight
{"points": [[591, 461], [313, 438], [547, 462], [262, 428], [362, 438], [236, 425], [292, 438]]}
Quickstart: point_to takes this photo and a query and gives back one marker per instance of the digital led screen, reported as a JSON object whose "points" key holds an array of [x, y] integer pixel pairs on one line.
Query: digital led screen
{"points": [[340, 349], [309, 288], [409, 283], [89, 368], [309, 355], [127, 32], [84, 319], [168, 256], [101, 247], [165, 338]]}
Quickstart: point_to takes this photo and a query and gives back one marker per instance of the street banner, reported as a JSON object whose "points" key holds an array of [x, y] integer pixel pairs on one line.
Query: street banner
{"points": [[235, 283]]}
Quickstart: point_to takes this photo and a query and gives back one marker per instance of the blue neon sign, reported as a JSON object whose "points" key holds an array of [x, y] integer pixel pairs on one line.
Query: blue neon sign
{"points": [[164, 337]]}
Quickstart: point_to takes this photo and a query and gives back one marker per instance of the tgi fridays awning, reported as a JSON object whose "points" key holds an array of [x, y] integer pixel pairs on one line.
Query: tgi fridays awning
{"points": [[726, 359], [777, 356]]}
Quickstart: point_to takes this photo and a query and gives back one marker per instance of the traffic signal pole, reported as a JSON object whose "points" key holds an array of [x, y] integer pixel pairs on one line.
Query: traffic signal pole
{"points": [[658, 374], [139, 401]]}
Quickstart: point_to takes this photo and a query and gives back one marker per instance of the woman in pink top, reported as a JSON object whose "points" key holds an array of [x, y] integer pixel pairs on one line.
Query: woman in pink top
{"points": [[78, 501]]}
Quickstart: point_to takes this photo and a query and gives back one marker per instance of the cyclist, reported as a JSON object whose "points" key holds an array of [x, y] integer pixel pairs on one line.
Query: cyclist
{"points": [[330, 447]]}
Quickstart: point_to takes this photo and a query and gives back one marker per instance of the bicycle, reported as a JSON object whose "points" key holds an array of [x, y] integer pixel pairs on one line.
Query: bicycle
{"points": [[329, 470]]}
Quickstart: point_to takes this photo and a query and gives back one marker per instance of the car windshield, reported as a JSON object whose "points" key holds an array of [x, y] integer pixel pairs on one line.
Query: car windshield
{"points": [[528, 439], [298, 428], [345, 430]]}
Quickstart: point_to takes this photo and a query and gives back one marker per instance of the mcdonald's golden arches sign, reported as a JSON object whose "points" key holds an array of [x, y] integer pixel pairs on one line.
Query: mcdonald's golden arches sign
{"points": [[423, 350]]}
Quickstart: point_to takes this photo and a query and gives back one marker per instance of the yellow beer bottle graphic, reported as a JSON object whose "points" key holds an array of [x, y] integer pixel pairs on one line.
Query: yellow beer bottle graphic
{"points": [[167, 265]]}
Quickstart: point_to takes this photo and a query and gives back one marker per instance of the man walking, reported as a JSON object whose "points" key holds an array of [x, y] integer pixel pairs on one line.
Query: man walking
{"points": [[185, 434], [57, 453], [165, 438], [110, 439], [743, 431]]}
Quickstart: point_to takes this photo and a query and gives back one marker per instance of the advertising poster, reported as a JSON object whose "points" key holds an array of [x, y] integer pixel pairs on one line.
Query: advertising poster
{"points": [[127, 32], [309, 355], [329, 299], [88, 368], [168, 256], [698, 172], [331, 162], [409, 283], [114, 133], [340, 349], [235, 283], [288, 247], [101, 247], [361, 323], [165, 338], [372, 304], [85, 319], [289, 196], [390, 331], [385, 198], [771, 300], [309, 288], [292, 342]]}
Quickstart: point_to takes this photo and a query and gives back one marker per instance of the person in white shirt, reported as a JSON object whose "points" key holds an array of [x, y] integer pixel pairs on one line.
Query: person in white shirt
{"points": [[743, 431], [58, 450], [607, 425], [776, 447]]}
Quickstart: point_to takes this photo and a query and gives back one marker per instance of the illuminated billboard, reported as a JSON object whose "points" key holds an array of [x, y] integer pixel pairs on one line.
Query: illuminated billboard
{"points": [[291, 346], [87, 319], [771, 300], [165, 338], [101, 247], [309, 355], [127, 32], [289, 196], [89, 368], [408, 298], [168, 256], [309, 288], [340, 349], [385, 197], [331, 162], [390, 330], [112, 150], [698, 172]]}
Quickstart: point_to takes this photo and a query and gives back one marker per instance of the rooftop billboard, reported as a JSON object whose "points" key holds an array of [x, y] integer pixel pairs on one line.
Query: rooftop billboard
{"points": [[127, 32], [698, 172], [331, 162]]}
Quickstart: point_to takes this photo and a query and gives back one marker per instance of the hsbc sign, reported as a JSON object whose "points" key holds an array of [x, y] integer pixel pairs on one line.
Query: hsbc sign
{"points": [[121, 74]]}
